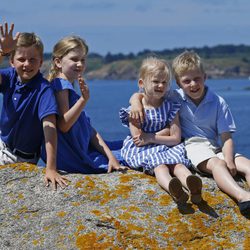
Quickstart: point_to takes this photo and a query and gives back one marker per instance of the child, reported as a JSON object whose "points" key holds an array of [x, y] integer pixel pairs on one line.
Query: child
{"points": [[204, 117], [154, 144], [29, 106], [80, 148]]}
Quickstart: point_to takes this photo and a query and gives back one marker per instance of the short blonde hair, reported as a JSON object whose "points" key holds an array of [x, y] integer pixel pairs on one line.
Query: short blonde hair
{"points": [[62, 48], [153, 65], [26, 39], [188, 60]]}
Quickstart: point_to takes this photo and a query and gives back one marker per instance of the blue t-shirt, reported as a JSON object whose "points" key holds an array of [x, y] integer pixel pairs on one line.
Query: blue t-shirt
{"points": [[209, 119], [24, 107]]}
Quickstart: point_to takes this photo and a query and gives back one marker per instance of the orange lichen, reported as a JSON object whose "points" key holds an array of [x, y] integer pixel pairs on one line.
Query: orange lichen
{"points": [[61, 214]]}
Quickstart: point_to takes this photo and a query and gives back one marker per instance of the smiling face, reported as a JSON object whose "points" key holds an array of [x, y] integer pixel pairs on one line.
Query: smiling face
{"points": [[155, 85], [193, 84], [72, 64], [27, 62]]}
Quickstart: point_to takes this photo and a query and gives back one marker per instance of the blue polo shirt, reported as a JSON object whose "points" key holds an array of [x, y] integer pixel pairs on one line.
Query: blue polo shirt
{"points": [[24, 107], [209, 119]]}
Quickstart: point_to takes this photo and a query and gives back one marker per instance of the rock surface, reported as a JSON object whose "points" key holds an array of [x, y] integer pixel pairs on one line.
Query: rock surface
{"points": [[113, 211]]}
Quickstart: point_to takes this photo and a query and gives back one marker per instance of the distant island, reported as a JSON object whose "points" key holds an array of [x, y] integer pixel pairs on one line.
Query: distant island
{"points": [[221, 61]]}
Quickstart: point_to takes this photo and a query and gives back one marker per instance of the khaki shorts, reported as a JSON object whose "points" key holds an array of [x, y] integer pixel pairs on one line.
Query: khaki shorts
{"points": [[8, 157], [200, 149]]}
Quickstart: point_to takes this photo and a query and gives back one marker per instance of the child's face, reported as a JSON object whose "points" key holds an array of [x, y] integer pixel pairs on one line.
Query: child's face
{"points": [[27, 62], [72, 64], [156, 85], [192, 83]]}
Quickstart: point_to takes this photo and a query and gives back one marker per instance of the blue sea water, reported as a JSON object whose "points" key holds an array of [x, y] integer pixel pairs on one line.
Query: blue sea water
{"points": [[107, 97]]}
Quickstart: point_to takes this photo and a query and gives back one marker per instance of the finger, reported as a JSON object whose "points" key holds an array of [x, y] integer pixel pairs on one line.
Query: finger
{"points": [[17, 36], [64, 182], [6, 28], [46, 181], [141, 116], [110, 169], [54, 185], [1, 30], [11, 29]]}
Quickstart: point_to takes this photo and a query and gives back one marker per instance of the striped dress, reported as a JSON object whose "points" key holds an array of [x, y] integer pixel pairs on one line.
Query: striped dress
{"points": [[150, 156]]}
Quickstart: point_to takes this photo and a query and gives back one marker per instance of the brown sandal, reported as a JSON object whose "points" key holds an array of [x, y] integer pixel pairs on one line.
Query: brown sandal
{"points": [[176, 191], [194, 185]]}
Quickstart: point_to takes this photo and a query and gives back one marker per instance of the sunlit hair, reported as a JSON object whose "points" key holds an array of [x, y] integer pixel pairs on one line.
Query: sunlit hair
{"points": [[62, 48], [152, 66], [188, 60], [26, 39]]}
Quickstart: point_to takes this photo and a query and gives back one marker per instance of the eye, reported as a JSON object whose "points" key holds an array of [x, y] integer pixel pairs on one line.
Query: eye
{"points": [[187, 81]]}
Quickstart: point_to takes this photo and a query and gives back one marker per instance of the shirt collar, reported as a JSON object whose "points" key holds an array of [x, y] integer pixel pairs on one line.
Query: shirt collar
{"points": [[31, 83]]}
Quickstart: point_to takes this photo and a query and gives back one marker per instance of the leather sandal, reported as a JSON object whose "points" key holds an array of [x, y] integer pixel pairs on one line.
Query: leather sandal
{"points": [[176, 191], [194, 185]]}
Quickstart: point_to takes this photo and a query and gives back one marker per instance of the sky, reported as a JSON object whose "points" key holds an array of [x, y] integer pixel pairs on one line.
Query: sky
{"points": [[124, 26]]}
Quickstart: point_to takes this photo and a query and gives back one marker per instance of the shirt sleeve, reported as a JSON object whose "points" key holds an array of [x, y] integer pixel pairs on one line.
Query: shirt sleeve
{"points": [[174, 107], [47, 104], [124, 116], [225, 122]]}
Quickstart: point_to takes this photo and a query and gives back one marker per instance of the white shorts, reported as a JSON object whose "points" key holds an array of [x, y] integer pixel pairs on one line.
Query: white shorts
{"points": [[200, 149], [8, 157]]}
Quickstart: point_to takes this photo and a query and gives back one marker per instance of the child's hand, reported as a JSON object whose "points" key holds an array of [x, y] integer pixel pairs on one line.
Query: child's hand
{"points": [[55, 178], [136, 114], [83, 88], [142, 139], [114, 165], [232, 168], [7, 42]]}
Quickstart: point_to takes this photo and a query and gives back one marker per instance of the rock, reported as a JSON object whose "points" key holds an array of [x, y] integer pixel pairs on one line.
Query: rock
{"points": [[113, 211]]}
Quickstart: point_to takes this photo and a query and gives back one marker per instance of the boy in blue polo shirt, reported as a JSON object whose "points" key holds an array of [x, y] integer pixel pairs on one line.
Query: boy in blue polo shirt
{"points": [[29, 106], [205, 119]]}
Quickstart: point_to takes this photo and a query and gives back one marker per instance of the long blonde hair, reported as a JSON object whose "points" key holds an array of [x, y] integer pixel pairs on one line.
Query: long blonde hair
{"points": [[62, 48]]}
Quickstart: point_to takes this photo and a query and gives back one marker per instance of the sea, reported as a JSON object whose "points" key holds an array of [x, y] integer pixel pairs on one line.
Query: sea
{"points": [[108, 96]]}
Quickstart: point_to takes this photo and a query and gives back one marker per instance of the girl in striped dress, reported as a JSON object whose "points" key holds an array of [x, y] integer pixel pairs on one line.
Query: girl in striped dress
{"points": [[154, 146]]}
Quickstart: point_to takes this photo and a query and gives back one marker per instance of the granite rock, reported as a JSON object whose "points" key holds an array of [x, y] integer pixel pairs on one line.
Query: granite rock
{"points": [[113, 211]]}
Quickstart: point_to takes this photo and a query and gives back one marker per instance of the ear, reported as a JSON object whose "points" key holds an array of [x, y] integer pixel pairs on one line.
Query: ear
{"points": [[205, 77], [141, 84], [11, 62], [58, 63]]}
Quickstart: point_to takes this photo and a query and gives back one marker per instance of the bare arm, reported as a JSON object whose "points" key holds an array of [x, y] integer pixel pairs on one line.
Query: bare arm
{"points": [[49, 128], [228, 152], [137, 111], [162, 137], [99, 144], [68, 116]]}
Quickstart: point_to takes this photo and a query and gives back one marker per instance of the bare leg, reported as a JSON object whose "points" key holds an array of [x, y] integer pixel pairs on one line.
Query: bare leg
{"points": [[243, 167], [191, 182], [163, 176], [172, 185], [181, 172], [224, 180]]}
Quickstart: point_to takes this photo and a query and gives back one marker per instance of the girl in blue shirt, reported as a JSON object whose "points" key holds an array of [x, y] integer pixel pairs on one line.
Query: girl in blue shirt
{"points": [[81, 149]]}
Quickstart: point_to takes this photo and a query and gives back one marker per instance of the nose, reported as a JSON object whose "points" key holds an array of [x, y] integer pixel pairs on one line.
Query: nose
{"points": [[193, 83], [26, 63]]}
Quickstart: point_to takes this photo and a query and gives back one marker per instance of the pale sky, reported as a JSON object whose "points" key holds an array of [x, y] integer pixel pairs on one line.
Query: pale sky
{"points": [[133, 25]]}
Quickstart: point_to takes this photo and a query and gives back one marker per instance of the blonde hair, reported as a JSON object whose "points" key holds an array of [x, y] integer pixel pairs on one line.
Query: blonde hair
{"points": [[188, 60], [26, 39], [62, 48], [153, 65]]}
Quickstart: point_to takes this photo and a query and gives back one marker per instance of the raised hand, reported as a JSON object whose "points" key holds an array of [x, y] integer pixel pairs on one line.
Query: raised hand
{"points": [[83, 88], [7, 42]]}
